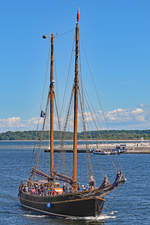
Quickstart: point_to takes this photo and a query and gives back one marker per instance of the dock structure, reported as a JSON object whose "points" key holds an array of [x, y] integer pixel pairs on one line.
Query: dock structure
{"points": [[138, 150], [131, 147]]}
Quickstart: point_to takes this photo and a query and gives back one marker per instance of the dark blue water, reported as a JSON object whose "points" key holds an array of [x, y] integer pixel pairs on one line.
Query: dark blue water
{"points": [[129, 204]]}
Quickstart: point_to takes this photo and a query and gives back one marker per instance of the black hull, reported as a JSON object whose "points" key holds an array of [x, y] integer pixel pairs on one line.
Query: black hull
{"points": [[67, 205]]}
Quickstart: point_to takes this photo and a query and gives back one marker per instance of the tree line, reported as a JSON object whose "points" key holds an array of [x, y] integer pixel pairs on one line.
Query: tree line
{"points": [[101, 134]]}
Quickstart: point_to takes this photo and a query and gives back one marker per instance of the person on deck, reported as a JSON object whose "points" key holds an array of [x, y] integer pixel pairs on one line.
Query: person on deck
{"points": [[64, 188], [105, 183], [78, 187], [83, 187], [92, 183], [119, 178]]}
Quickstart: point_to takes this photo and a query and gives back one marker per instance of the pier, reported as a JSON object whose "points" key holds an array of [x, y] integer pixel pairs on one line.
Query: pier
{"points": [[132, 147]]}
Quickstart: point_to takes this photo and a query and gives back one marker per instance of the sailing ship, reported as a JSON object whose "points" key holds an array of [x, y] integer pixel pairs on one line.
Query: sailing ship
{"points": [[45, 194]]}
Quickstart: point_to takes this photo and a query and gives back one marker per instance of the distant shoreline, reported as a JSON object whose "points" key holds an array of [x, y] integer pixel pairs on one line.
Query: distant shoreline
{"points": [[99, 135]]}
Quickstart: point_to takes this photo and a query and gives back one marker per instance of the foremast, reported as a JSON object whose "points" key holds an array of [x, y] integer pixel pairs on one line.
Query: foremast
{"points": [[76, 88], [52, 108]]}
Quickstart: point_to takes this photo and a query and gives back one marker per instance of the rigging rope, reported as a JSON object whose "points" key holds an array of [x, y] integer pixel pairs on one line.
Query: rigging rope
{"points": [[63, 159], [42, 134], [42, 100], [95, 120], [67, 83], [68, 114], [93, 113], [95, 88], [57, 35], [90, 168], [95, 125], [59, 127]]}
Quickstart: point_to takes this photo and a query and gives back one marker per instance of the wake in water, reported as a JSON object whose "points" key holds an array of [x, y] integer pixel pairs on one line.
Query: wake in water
{"points": [[101, 217], [35, 216]]}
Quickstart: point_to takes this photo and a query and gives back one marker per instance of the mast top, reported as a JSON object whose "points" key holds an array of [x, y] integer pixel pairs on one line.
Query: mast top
{"points": [[77, 16]]}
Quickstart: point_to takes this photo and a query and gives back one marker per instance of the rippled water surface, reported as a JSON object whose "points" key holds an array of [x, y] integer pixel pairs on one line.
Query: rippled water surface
{"points": [[129, 204]]}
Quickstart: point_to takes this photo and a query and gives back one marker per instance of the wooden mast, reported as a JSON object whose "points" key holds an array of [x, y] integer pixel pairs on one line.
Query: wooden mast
{"points": [[76, 87], [52, 110]]}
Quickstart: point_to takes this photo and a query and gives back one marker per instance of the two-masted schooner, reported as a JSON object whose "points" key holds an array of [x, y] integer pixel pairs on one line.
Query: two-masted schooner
{"points": [[45, 194]]}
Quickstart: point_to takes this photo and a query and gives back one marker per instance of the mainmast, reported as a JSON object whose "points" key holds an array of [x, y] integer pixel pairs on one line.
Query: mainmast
{"points": [[52, 109], [76, 88]]}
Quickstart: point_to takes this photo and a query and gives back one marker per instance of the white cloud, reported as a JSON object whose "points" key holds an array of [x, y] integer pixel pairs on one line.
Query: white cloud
{"points": [[138, 118], [35, 121], [137, 111], [87, 116], [16, 124], [10, 122], [118, 115]]}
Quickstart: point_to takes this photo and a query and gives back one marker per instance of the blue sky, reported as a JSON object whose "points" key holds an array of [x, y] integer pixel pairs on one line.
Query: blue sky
{"points": [[116, 37]]}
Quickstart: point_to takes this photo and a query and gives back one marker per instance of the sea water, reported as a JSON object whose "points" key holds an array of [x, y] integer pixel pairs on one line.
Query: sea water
{"points": [[128, 204]]}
